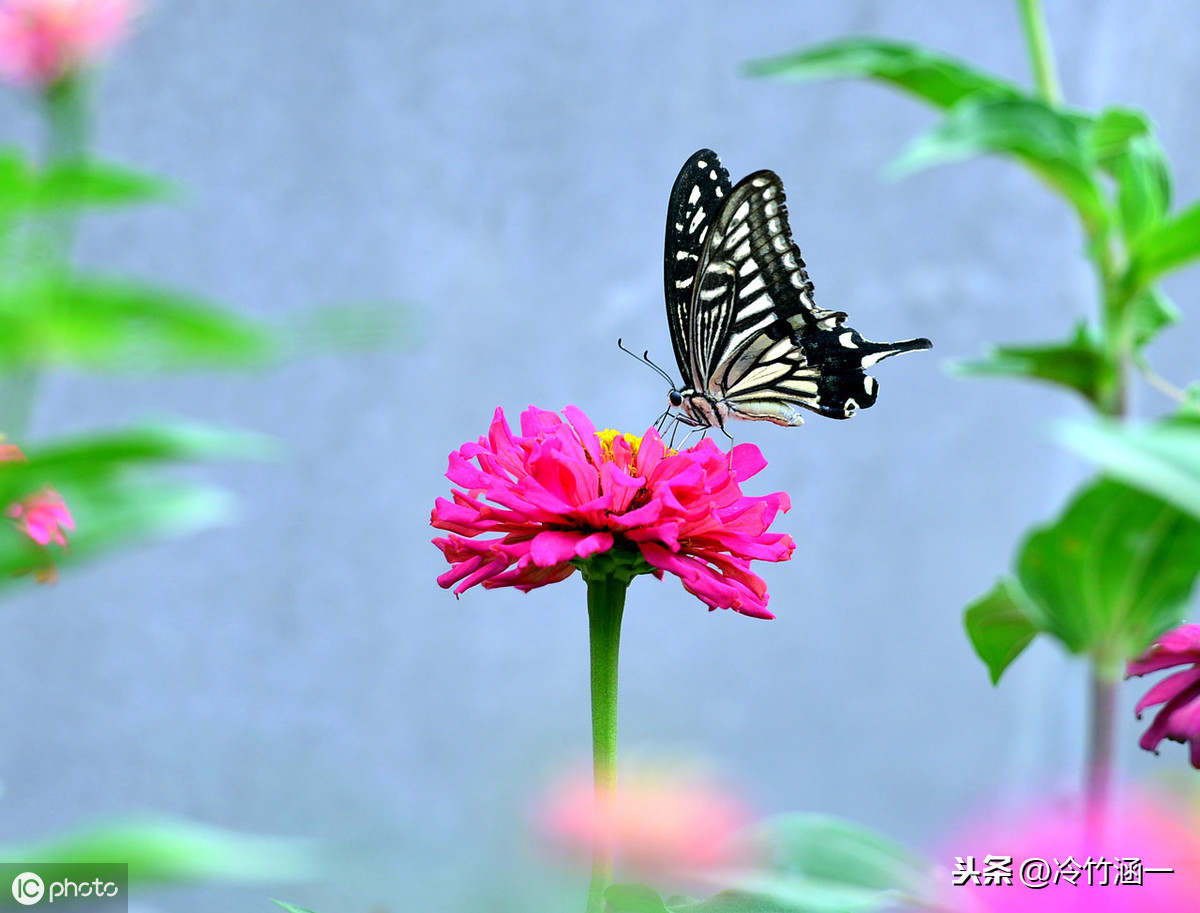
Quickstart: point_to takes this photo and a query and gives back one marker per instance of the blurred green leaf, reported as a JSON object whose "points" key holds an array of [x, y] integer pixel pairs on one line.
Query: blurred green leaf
{"points": [[112, 497], [939, 80], [104, 454], [75, 185], [117, 325], [164, 851], [1113, 571], [110, 516], [1049, 141], [1079, 363], [1162, 458], [839, 851], [1173, 243], [291, 908], [1112, 132], [1143, 178], [28, 190], [633, 898], [999, 626], [746, 902], [1149, 313], [1121, 142]]}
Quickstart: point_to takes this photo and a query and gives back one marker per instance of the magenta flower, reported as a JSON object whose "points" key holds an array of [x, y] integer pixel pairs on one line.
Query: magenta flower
{"points": [[1179, 718], [43, 41], [42, 516], [561, 492]]}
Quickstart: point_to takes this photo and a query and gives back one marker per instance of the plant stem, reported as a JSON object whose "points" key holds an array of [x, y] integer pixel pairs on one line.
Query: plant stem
{"points": [[65, 109], [68, 118], [1041, 52], [1101, 737], [606, 604]]}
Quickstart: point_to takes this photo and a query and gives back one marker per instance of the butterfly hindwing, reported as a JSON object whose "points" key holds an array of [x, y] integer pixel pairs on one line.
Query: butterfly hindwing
{"points": [[750, 340]]}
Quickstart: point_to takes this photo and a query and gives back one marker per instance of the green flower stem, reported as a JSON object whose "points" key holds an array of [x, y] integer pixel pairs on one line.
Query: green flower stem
{"points": [[1040, 51], [606, 604], [66, 110]]}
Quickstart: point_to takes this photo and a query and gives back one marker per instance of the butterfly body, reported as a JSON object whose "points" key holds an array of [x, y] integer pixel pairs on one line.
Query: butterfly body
{"points": [[749, 340]]}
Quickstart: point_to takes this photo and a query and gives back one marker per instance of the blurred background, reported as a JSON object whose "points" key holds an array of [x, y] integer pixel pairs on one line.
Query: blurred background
{"points": [[503, 169]]}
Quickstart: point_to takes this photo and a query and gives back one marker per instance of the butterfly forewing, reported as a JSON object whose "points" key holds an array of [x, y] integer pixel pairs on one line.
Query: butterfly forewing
{"points": [[701, 187]]}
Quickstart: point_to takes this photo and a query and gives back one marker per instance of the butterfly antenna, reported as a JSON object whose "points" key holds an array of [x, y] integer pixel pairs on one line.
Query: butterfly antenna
{"points": [[644, 358]]}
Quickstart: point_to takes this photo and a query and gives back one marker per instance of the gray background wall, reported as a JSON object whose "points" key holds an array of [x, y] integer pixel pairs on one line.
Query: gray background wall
{"points": [[504, 167]]}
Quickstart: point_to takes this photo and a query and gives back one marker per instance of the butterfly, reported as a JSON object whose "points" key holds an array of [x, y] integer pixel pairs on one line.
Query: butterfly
{"points": [[748, 338]]}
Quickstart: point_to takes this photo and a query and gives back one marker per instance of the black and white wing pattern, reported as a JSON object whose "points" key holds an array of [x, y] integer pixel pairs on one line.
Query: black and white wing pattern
{"points": [[748, 337]]}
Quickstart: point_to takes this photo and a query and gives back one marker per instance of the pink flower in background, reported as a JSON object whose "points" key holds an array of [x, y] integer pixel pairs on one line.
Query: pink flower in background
{"points": [[1179, 718], [1139, 828], [661, 822], [561, 491], [42, 516], [41, 41]]}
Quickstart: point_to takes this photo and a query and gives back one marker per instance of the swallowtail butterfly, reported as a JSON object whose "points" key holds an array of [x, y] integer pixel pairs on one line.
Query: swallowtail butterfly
{"points": [[749, 340]]}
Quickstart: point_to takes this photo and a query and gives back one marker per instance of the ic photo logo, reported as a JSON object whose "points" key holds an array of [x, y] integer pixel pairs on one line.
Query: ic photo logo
{"points": [[28, 888]]}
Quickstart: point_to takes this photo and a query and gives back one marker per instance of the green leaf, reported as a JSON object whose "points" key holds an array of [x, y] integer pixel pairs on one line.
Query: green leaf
{"points": [[1049, 141], [633, 898], [1113, 571], [999, 626], [291, 908], [747, 902], [1173, 243], [95, 323], [1143, 178], [110, 494], [165, 851], [1112, 132], [64, 186], [1162, 459], [1121, 142], [939, 80], [839, 851], [92, 184], [1149, 314], [1079, 363]]}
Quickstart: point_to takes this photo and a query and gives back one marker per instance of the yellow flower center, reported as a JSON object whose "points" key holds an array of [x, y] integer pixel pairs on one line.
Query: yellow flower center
{"points": [[608, 435]]}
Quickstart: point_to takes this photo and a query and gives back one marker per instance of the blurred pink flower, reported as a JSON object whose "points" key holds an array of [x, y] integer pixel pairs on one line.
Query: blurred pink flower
{"points": [[42, 516], [42, 41], [1179, 718], [1086, 873], [561, 491], [661, 823]]}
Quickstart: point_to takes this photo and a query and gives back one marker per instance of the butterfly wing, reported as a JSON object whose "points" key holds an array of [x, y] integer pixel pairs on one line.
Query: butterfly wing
{"points": [[761, 345], [700, 189]]}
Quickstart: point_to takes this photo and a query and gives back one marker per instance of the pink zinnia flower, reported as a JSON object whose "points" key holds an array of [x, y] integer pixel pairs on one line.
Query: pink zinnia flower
{"points": [[42, 41], [42, 516], [661, 822], [1179, 718], [561, 492]]}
